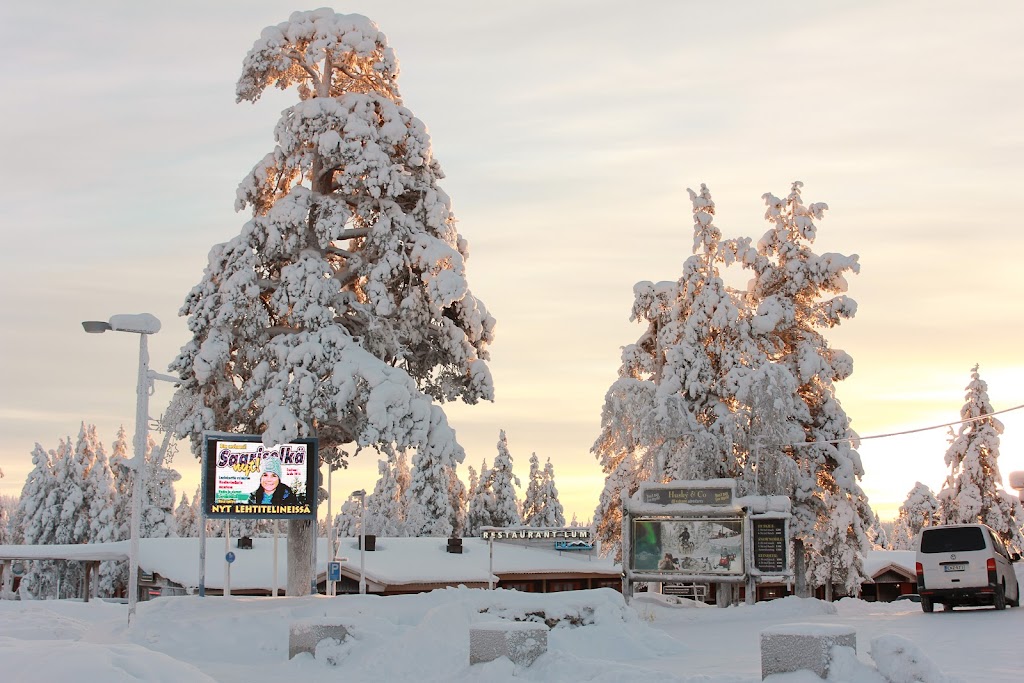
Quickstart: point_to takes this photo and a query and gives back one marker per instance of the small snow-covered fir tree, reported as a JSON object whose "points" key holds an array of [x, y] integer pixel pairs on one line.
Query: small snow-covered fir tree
{"points": [[39, 516], [503, 484], [8, 506], [186, 524], [480, 509], [541, 507], [973, 490], [876, 534], [74, 526], [114, 574], [458, 497], [386, 506], [157, 519], [531, 501], [920, 509], [101, 491], [342, 310], [104, 527], [552, 513], [346, 523]]}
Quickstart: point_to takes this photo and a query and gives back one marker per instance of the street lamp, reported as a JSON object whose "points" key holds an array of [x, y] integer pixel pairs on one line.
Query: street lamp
{"points": [[361, 495], [142, 324]]}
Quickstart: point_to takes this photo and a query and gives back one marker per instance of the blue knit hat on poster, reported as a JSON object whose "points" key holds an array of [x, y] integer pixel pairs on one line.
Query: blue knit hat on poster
{"points": [[272, 465]]}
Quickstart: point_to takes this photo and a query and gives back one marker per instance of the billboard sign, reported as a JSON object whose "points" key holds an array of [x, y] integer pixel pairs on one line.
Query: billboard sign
{"points": [[244, 479], [699, 546], [689, 495]]}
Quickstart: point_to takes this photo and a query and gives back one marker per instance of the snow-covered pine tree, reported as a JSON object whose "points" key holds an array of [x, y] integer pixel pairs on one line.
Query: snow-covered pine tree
{"points": [[104, 527], [346, 523], [114, 575], [342, 309], [799, 293], [552, 513], [458, 495], [503, 484], [8, 506], [480, 510], [633, 444], [876, 534], [385, 507], [541, 507], [74, 525], [531, 501], [185, 523], [973, 491], [709, 356], [158, 498], [670, 414], [100, 492], [39, 517], [920, 509]]}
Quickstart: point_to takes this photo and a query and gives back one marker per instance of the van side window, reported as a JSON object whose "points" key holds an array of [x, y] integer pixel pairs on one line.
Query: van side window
{"points": [[997, 543]]}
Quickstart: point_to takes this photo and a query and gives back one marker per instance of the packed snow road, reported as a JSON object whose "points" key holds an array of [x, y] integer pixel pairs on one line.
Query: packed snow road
{"points": [[424, 637]]}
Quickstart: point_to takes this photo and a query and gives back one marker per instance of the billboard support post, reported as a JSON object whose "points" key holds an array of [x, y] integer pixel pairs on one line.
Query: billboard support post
{"points": [[276, 525], [227, 550]]}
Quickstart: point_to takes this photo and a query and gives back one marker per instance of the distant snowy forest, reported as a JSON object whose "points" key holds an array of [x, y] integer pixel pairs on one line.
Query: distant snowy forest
{"points": [[342, 310]]}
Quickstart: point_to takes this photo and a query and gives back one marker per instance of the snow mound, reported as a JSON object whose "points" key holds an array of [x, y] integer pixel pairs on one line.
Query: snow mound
{"points": [[93, 662], [791, 605], [900, 661]]}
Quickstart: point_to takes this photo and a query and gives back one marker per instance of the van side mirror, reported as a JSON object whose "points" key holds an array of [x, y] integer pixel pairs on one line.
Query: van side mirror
{"points": [[1015, 557]]}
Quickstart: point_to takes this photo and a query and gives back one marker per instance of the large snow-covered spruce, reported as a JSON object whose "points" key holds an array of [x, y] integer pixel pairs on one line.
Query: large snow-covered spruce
{"points": [[341, 310], [740, 384], [973, 491], [798, 294]]}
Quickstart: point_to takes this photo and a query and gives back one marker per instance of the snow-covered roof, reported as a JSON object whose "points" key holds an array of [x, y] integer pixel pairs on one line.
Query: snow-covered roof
{"points": [[399, 561], [84, 551], [396, 561], [878, 561]]}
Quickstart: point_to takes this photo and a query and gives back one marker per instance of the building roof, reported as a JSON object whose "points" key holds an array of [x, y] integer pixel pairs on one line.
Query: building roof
{"points": [[85, 552]]}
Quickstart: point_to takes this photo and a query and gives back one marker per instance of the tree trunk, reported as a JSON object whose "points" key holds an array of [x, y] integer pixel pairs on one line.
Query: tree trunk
{"points": [[800, 569], [300, 554]]}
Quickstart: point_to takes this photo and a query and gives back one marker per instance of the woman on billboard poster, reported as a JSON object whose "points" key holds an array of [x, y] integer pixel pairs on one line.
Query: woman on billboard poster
{"points": [[272, 491]]}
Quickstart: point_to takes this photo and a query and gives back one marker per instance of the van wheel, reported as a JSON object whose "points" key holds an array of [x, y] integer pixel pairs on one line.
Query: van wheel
{"points": [[926, 604], [1016, 602], [999, 600]]}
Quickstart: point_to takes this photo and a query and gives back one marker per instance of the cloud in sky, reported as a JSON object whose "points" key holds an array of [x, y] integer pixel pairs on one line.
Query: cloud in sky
{"points": [[569, 132]]}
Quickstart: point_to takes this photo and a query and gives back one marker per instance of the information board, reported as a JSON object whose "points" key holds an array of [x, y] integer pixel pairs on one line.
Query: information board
{"points": [[769, 544]]}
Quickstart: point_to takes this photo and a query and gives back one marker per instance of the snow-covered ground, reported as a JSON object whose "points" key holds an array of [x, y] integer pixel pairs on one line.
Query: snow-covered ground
{"points": [[425, 637]]}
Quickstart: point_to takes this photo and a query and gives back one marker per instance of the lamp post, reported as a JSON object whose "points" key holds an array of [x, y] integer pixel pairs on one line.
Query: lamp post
{"points": [[142, 324], [361, 495]]}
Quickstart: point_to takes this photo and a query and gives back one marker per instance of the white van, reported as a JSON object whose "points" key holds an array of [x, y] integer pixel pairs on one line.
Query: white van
{"points": [[965, 564]]}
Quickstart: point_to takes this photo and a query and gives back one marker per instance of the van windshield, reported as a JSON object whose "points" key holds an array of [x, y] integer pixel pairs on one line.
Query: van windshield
{"points": [[952, 540]]}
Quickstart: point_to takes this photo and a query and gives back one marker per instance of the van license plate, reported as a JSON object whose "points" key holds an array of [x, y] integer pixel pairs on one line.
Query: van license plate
{"points": [[958, 567]]}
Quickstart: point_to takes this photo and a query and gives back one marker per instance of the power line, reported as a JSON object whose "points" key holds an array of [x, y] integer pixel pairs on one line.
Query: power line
{"points": [[908, 431]]}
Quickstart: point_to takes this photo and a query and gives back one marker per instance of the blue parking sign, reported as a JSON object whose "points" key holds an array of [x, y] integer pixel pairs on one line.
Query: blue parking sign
{"points": [[334, 571]]}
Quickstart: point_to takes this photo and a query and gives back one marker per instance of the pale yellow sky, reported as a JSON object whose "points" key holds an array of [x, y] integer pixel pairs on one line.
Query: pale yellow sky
{"points": [[569, 132]]}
